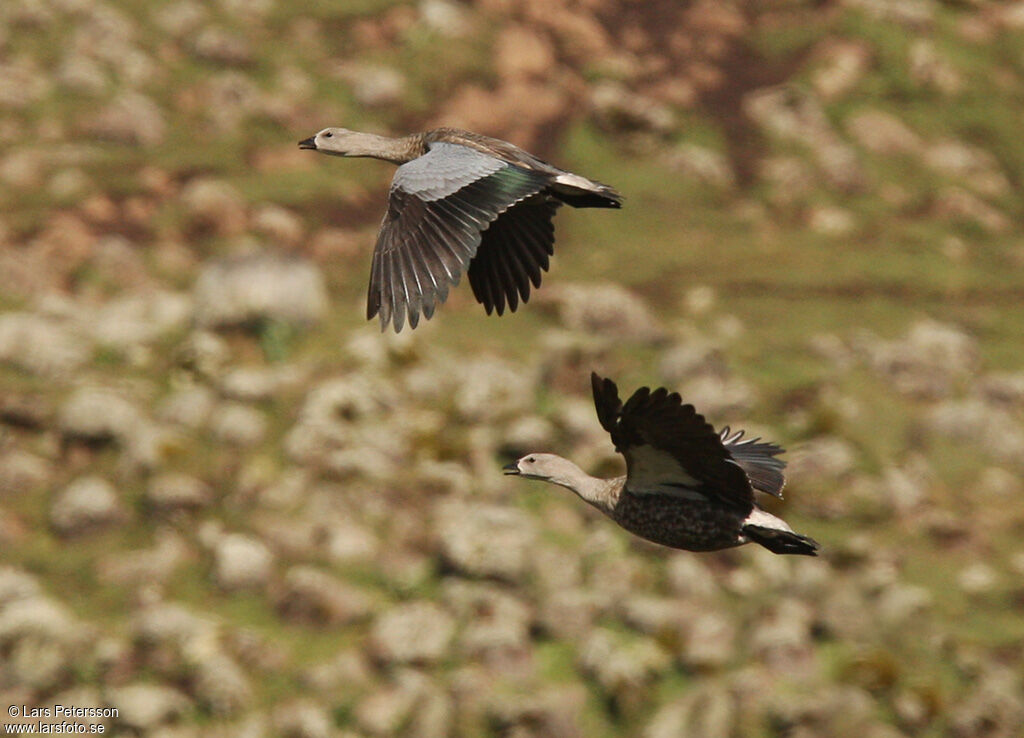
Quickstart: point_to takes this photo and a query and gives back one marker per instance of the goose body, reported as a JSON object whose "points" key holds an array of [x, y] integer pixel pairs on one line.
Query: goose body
{"points": [[461, 203], [686, 486]]}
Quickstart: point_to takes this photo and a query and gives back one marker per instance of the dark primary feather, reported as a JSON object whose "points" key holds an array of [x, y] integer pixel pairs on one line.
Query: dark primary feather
{"points": [[758, 460], [657, 424], [425, 245], [514, 251]]}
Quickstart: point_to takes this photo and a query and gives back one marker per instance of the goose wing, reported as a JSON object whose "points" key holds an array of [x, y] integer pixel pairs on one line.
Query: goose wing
{"points": [[438, 206], [758, 460], [669, 448], [514, 251]]}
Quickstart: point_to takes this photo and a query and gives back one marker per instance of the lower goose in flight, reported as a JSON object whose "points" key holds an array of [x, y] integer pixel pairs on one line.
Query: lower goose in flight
{"points": [[461, 202], [686, 486]]}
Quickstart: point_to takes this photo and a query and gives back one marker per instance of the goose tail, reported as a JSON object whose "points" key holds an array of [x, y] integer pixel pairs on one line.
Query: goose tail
{"points": [[580, 192], [774, 534]]}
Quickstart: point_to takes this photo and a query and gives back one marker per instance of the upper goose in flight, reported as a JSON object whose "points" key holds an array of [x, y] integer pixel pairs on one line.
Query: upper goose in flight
{"points": [[461, 202], [685, 486]]}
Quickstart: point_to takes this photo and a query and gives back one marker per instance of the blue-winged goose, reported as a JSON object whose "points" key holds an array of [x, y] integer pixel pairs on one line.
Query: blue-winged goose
{"points": [[685, 486], [461, 201]]}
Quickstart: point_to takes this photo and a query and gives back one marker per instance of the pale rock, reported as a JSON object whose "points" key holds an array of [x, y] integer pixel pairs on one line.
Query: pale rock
{"points": [[496, 622], [482, 540], [260, 287], [710, 643], [903, 604], [349, 669], [793, 114], [992, 429], [656, 616], [238, 424], [100, 414], [620, 110], [241, 562], [829, 220], [40, 618], [348, 541], [182, 18], [927, 361], [190, 406], [309, 595], [703, 164], [279, 224], [85, 504], [36, 664], [843, 65], [996, 483], [789, 178], [204, 353], [915, 14], [69, 185], [824, 457], [707, 712], [1005, 388], [978, 579], [374, 85], [144, 707], [689, 577], [971, 165], [720, 396], [303, 718], [446, 17], [22, 472], [617, 662], [216, 44], [16, 585], [412, 632], [176, 491], [213, 204], [132, 118], [22, 84], [489, 388], [230, 99], [992, 705], [219, 683], [385, 711], [548, 710], [531, 431], [930, 69], [142, 318], [41, 346], [570, 613], [956, 203], [143, 567], [883, 133], [166, 625], [906, 486], [521, 51], [608, 310]]}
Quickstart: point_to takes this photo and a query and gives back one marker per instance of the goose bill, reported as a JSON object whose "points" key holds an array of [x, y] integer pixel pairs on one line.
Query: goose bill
{"points": [[512, 468], [307, 143]]}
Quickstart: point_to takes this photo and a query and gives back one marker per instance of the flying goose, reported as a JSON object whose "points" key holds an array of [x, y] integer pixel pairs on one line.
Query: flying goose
{"points": [[686, 486], [460, 202]]}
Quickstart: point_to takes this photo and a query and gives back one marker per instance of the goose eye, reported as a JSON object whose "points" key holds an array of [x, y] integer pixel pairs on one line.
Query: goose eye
{"points": [[328, 134], [530, 460]]}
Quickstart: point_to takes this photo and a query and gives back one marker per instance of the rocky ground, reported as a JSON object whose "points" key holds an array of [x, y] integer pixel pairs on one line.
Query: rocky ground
{"points": [[230, 507]]}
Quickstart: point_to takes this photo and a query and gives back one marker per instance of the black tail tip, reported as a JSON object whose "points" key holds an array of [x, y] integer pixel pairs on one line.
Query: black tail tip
{"points": [[783, 541]]}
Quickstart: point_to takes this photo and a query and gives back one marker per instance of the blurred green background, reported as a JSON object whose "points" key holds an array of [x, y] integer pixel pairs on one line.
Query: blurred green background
{"points": [[229, 506]]}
